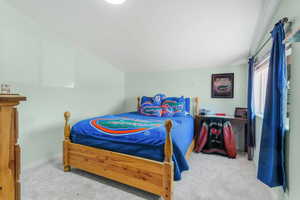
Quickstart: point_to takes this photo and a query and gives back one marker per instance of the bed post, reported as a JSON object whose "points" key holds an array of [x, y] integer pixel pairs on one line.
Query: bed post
{"points": [[196, 111], [168, 164], [138, 103], [67, 131]]}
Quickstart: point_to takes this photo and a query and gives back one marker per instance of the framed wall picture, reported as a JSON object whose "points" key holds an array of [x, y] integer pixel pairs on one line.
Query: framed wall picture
{"points": [[241, 113], [222, 85]]}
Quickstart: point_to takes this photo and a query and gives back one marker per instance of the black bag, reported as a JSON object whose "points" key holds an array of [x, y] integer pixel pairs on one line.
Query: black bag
{"points": [[216, 136]]}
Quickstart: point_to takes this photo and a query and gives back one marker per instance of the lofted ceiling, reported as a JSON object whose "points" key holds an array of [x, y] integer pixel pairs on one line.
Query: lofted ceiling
{"points": [[154, 35]]}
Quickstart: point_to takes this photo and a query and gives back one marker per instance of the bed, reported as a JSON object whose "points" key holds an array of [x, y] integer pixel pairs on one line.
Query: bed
{"points": [[147, 152]]}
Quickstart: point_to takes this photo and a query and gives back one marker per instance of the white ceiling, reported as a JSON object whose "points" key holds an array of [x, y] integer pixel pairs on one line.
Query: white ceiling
{"points": [[153, 35]]}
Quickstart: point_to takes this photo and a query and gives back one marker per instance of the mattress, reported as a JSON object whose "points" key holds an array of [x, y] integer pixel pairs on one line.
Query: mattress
{"points": [[135, 134]]}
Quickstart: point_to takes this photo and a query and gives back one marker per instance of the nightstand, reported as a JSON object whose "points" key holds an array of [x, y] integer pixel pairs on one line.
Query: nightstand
{"points": [[9, 148]]}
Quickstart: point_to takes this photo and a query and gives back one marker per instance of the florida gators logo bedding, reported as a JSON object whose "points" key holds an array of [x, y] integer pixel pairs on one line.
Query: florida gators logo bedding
{"points": [[123, 126]]}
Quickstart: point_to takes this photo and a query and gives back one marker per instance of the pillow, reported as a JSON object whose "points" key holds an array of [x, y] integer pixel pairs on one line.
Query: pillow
{"points": [[145, 99], [167, 111], [158, 98], [187, 104], [176, 103], [150, 109]]}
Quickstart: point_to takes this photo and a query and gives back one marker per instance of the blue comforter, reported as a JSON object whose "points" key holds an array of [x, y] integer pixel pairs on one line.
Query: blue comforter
{"points": [[138, 135]]}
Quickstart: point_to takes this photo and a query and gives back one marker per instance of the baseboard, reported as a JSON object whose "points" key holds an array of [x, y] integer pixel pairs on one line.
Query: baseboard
{"points": [[278, 193]]}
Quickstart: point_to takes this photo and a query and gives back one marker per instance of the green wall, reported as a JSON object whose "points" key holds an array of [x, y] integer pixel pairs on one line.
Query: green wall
{"points": [[191, 82], [55, 76]]}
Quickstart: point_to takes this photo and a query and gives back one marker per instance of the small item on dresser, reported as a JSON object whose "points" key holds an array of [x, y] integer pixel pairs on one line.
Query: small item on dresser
{"points": [[5, 89], [241, 113], [203, 111], [220, 114]]}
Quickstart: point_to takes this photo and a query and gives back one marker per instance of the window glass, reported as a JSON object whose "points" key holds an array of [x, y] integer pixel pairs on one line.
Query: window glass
{"points": [[260, 83], [260, 87]]}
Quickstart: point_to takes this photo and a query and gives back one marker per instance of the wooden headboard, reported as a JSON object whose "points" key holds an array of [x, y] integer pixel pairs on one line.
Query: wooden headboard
{"points": [[194, 106]]}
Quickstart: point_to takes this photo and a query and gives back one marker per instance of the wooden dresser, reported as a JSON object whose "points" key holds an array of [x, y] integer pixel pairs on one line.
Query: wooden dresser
{"points": [[9, 148]]}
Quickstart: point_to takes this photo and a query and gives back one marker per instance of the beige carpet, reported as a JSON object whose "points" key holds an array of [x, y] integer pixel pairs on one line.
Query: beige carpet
{"points": [[211, 177]]}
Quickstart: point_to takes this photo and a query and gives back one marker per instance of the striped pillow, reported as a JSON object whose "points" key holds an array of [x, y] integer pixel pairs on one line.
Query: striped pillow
{"points": [[175, 105], [167, 111], [150, 109]]}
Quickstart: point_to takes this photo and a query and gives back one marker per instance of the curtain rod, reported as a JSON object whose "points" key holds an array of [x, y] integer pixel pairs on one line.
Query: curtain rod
{"points": [[284, 21]]}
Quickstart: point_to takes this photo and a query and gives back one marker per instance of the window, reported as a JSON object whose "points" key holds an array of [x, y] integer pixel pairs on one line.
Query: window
{"points": [[260, 80], [260, 86]]}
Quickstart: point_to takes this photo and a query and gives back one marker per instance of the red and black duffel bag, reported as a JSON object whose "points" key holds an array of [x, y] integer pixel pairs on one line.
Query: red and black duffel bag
{"points": [[217, 136]]}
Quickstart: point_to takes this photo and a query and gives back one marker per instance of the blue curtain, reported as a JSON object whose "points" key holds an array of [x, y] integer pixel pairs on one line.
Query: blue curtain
{"points": [[251, 111], [271, 168]]}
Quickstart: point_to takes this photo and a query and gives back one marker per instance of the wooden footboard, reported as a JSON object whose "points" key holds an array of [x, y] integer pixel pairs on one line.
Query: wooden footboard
{"points": [[151, 176]]}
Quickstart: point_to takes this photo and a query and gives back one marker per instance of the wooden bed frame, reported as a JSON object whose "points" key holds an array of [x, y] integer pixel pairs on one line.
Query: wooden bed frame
{"points": [[148, 175]]}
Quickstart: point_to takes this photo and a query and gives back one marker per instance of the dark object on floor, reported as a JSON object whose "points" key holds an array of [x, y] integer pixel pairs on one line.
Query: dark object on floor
{"points": [[217, 136]]}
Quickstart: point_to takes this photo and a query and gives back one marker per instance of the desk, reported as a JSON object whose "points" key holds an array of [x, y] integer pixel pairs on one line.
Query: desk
{"points": [[243, 121]]}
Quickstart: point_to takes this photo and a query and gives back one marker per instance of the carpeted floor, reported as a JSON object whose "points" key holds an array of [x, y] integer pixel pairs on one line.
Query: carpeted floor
{"points": [[211, 177]]}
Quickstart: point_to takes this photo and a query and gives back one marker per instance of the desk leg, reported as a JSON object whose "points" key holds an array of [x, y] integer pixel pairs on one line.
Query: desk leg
{"points": [[250, 153], [246, 138], [248, 149]]}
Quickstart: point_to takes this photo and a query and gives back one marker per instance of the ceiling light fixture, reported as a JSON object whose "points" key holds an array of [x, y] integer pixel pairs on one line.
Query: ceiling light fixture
{"points": [[115, 1]]}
